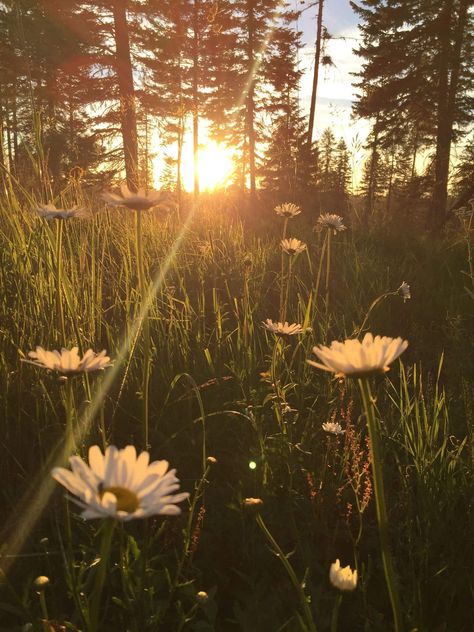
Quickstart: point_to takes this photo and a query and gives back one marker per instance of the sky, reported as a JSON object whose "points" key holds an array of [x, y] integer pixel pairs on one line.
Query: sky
{"points": [[335, 92]]}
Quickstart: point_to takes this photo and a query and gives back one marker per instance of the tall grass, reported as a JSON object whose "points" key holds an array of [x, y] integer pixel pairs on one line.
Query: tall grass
{"points": [[220, 386]]}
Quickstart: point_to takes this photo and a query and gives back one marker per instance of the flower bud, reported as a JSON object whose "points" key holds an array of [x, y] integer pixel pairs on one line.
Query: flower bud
{"points": [[253, 502], [40, 583], [202, 597], [342, 578]]}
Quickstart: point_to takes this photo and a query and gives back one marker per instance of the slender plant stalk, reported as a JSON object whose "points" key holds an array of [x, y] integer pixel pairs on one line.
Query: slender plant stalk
{"points": [[146, 329], [381, 509], [288, 283], [328, 265], [282, 273], [69, 406], [198, 494], [311, 626], [320, 269], [44, 610], [95, 601], [335, 613], [59, 284], [374, 304]]}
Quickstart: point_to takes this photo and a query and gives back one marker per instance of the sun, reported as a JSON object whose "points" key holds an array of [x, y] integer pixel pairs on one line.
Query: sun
{"points": [[216, 162], [215, 167]]}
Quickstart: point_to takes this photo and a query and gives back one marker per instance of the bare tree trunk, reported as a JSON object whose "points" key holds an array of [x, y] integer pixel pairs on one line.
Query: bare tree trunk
{"points": [[317, 58], [391, 172], [250, 105], [128, 117], [414, 155], [447, 91], [372, 185], [195, 92]]}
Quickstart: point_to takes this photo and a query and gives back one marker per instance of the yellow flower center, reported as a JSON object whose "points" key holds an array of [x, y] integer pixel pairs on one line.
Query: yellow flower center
{"points": [[126, 500]]}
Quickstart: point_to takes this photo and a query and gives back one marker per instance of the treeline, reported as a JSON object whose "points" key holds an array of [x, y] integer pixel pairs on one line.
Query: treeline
{"points": [[416, 88], [77, 76]]}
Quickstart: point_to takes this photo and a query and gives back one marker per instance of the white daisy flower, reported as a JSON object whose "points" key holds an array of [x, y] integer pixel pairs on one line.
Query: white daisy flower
{"points": [[140, 201], [404, 291], [68, 361], [121, 485], [358, 359], [50, 212], [332, 221], [293, 246], [282, 329], [342, 578], [288, 209], [333, 428]]}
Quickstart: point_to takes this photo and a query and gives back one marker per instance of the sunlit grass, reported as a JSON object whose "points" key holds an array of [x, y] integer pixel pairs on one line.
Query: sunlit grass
{"points": [[224, 386]]}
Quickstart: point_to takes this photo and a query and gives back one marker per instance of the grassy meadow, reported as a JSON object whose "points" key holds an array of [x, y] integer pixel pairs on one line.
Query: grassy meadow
{"points": [[178, 302]]}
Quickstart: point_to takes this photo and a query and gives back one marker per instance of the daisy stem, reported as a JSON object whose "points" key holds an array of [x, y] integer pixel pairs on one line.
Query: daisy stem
{"points": [[288, 283], [282, 275], [335, 613], [146, 328], [94, 610], [328, 266], [320, 269], [275, 356], [69, 406], [311, 626], [59, 271], [44, 608], [381, 509]]}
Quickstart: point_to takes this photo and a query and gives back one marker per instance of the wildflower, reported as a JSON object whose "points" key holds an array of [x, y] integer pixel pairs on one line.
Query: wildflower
{"points": [[120, 485], [68, 361], [404, 291], [342, 578], [253, 502], [202, 597], [40, 583], [282, 329], [358, 359], [333, 428], [49, 212], [287, 210], [139, 201], [332, 221], [293, 246]]}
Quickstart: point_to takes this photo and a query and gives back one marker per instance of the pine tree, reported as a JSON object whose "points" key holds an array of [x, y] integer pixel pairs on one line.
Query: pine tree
{"points": [[417, 76]]}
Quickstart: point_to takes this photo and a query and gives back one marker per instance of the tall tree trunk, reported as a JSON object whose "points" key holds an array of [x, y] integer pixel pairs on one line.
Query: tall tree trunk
{"points": [[195, 93], [250, 101], [317, 59], [391, 172], [128, 116], [372, 185], [414, 155], [448, 80]]}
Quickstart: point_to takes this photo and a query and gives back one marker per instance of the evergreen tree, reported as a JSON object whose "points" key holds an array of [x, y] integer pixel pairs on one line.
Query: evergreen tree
{"points": [[417, 76]]}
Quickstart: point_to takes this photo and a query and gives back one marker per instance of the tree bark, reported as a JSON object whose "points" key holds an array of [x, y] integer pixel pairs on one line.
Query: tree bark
{"points": [[317, 58], [195, 93], [371, 187], [250, 101], [128, 117], [449, 70]]}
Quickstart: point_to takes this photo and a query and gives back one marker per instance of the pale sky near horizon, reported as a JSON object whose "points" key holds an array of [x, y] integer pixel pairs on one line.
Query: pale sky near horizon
{"points": [[335, 91]]}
